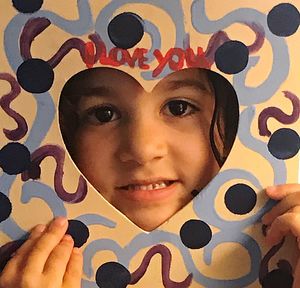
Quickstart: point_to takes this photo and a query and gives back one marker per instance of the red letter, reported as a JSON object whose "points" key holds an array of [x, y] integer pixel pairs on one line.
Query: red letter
{"points": [[175, 66], [143, 59], [89, 54], [138, 54], [103, 59], [113, 56], [196, 61], [162, 61]]}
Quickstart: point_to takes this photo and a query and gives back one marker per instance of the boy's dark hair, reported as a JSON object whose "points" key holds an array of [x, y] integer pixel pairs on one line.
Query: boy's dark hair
{"points": [[225, 117], [223, 126]]}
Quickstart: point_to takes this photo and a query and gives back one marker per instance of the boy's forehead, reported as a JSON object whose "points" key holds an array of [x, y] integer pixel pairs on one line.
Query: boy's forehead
{"points": [[120, 79], [106, 76]]}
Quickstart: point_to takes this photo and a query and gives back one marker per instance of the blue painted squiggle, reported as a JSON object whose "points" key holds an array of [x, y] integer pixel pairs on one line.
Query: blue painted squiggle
{"points": [[88, 284], [94, 219], [35, 189], [144, 240], [175, 11], [155, 237], [279, 167], [6, 182], [203, 204], [154, 33], [82, 25], [43, 120], [281, 62], [100, 245], [12, 229]]}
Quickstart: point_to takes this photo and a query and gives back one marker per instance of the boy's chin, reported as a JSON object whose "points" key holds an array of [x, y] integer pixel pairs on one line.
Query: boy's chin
{"points": [[148, 220]]}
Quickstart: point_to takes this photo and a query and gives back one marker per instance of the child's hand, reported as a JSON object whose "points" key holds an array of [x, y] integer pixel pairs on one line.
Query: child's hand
{"points": [[284, 218], [47, 259]]}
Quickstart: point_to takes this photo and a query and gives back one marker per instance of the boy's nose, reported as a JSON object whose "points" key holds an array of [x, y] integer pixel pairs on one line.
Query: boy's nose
{"points": [[143, 143]]}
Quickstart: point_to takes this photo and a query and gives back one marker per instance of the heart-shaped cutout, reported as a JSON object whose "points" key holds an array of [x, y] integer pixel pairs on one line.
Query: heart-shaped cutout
{"points": [[148, 153]]}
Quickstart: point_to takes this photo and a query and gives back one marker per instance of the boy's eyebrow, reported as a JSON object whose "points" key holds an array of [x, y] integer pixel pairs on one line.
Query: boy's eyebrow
{"points": [[177, 84], [97, 91]]}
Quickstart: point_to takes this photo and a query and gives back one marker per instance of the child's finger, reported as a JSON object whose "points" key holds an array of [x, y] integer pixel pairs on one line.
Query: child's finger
{"points": [[17, 261], [56, 264], [281, 191], [281, 226], [282, 207], [45, 244], [73, 272], [35, 233]]}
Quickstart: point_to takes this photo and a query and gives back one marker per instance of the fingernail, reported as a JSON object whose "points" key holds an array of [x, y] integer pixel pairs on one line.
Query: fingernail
{"points": [[60, 221], [67, 238], [40, 228]]}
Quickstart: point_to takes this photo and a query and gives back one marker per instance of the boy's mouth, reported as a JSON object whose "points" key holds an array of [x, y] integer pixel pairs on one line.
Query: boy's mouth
{"points": [[149, 186], [150, 190]]}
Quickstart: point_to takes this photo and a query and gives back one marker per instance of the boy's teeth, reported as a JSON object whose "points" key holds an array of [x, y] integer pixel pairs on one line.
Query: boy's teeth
{"points": [[148, 187]]}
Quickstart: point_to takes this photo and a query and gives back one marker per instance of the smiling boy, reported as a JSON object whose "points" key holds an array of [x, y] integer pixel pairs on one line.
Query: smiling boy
{"points": [[145, 152]]}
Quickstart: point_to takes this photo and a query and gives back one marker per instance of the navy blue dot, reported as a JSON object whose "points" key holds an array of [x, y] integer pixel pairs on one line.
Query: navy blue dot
{"points": [[79, 232], [35, 75], [284, 143], [240, 199], [112, 275], [195, 234], [5, 207], [232, 57], [27, 6], [284, 20], [14, 158], [126, 30], [285, 266], [278, 279]]}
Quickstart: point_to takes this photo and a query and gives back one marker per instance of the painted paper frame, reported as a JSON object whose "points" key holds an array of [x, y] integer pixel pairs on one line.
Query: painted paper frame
{"points": [[254, 46]]}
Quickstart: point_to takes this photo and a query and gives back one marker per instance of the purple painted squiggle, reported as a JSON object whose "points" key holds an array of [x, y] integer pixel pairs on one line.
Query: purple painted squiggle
{"points": [[166, 263], [221, 37], [264, 264], [279, 115], [58, 154], [216, 40], [7, 250], [36, 26], [32, 28], [5, 101], [73, 43], [96, 39], [259, 39]]}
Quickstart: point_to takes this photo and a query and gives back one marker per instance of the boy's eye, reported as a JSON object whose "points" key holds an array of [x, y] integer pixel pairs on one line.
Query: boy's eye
{"points": [[101, 115], [104, 114], [180, 108]]}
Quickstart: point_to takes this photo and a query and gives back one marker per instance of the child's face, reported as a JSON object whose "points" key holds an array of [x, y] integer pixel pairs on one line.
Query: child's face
{"points": [[146, 152]]}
